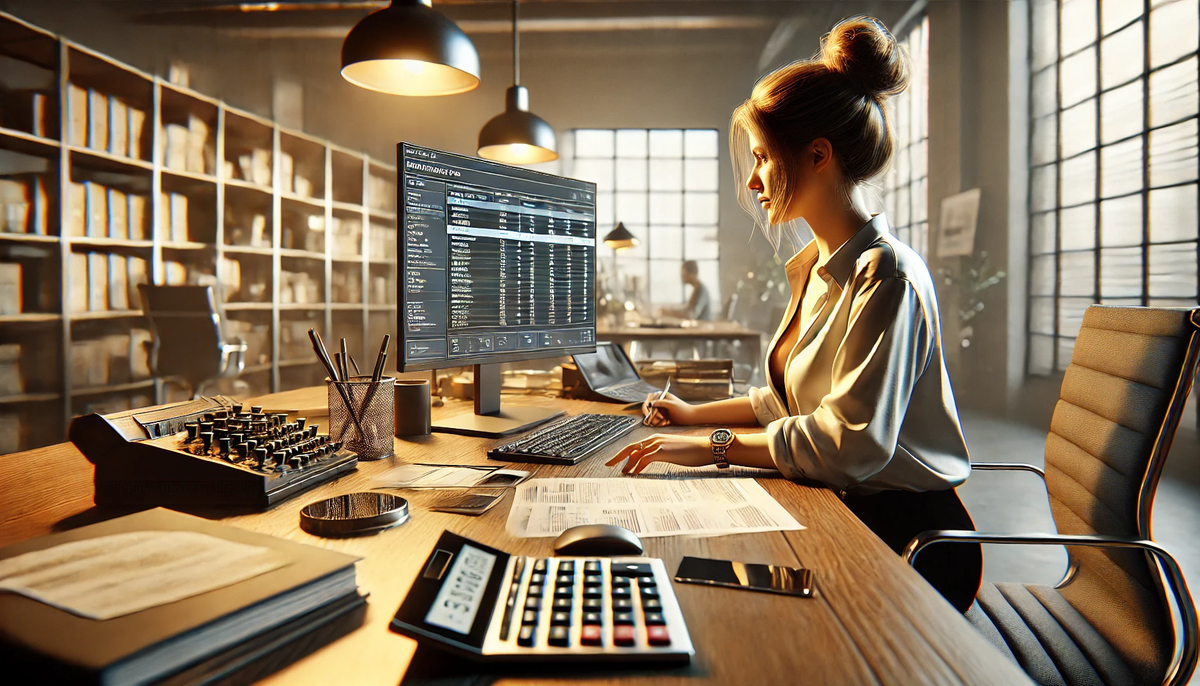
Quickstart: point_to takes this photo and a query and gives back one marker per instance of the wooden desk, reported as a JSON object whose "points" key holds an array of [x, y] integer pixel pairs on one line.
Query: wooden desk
{"points": [[874, 620]]}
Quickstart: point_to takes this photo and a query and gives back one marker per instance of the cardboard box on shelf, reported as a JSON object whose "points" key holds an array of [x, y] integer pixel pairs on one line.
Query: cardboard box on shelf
{"points": [[14, 206], [287, 169], [197, 144], [175, 147], [97, 281], [118, 214], [138, 230], [77, 208], [179, 218], [302, 186], [256, 166], [137, 126], [118, 127], [77, 111], [78, 275], [118, 282], [97, 120], [231, 277], [10, 288], [97, 210]]}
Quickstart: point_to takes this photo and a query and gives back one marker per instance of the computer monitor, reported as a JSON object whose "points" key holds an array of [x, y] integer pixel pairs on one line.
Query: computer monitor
{"points": [[497, 264]]}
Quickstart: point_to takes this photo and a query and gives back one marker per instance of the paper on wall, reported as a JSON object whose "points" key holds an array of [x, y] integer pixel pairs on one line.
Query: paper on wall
{"points": [[647, 507]]}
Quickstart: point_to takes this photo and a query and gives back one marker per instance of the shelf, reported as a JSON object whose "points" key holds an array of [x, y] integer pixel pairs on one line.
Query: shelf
{"points": [[357, 259], [346, 307], [102, 160], [27, 238], [316, 203], [293, 307], [117, 388], [305, 254], [190, 176], [11, 139], [28, 398], [386, 263], [235, 306], [190, 245], [248, 185], [247, 250], [348, 207], [29, 318], [381, 308], [106, 314], [381, 214], [109, 242], [297, 363]]}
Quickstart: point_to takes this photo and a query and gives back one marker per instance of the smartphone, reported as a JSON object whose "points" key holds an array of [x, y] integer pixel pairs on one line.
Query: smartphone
{"points": [[473, 504], [751, 577]]}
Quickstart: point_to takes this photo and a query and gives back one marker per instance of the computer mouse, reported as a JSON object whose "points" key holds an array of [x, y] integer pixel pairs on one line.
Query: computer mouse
{"points": [[597, 539]]}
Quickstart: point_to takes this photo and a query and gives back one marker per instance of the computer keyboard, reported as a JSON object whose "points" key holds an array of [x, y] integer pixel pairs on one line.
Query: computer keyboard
{"points": [[567, 441]]}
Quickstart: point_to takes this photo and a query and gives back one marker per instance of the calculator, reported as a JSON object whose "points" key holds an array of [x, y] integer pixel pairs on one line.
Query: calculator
{"points": [[491, 606]]}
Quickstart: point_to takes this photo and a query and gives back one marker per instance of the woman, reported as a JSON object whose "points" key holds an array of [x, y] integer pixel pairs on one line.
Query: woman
{"points": [[859, 398]]}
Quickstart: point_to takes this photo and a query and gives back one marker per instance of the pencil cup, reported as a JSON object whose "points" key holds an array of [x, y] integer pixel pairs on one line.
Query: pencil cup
{"points": [[368, 428], [412, 407]]}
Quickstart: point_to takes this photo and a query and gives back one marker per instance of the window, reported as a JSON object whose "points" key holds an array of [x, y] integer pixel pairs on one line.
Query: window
{"points": [[1113, 182], [662, 184], [905, 185]]}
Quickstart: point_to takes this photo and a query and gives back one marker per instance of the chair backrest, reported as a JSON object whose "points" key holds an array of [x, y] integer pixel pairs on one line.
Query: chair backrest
{"points": [[187, 331], [1120, 403]]}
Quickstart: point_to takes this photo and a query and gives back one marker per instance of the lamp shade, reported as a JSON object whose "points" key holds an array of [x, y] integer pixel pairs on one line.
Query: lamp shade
{"points": [[407, 48], [620, 238], [516, 135]]}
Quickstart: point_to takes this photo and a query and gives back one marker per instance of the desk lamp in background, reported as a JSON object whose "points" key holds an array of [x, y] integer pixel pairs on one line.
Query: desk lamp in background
{"points": [[618, 239]]}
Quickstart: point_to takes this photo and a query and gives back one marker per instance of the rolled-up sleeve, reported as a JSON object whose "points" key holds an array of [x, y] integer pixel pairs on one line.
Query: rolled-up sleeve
{"points": [[766, 405], [853, 432]]}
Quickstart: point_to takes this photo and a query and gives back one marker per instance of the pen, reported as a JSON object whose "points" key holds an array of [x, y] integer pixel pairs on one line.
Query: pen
{"points": [[345, 361], [357, 371], [323, 355], [653, 405], [377, 373]]}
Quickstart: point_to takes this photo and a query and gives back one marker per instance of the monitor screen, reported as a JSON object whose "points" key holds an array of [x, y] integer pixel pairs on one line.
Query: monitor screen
{"points": [[497, 263]]}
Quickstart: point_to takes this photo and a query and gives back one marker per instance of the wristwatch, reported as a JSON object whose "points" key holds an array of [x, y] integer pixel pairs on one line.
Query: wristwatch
{"points": [[720, 440]]}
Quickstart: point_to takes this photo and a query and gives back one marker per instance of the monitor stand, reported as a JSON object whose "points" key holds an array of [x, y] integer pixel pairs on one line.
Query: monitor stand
{"points": [[489, 419]]}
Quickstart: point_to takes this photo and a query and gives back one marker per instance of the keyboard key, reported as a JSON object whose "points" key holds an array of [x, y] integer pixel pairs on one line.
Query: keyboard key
{"points": [[620, 582], [533, 603], [658, 636], [564, 592], [567, 567], [539, 567], [591, 567], [590, 636], [525, 638], [534, 592], [562, 604], [530, 617], [560, 619], [623, 635], [623, 618], [631, 569], [536, 579], [591, 618], [559, 636], [564, 580], [593, 592], [622, 592], [593, 580], [647, 582], [648, 592], [655, 619], [622, 604], [651, 605], [593, 605]]}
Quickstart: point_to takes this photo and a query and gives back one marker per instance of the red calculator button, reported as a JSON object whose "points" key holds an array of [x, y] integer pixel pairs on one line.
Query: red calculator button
{"points": [[590, 636], [623, 635], [658, 636]]}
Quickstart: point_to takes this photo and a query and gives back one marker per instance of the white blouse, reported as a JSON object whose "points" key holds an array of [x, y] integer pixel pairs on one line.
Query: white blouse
{"points": [[866, 403]]}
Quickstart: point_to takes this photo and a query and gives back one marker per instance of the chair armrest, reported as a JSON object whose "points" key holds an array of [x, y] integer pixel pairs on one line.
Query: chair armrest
{"points": [[1185, 661], [1008, 466]]}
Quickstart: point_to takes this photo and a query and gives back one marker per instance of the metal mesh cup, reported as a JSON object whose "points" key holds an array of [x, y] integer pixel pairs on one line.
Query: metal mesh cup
{"points": [[371, 436]]}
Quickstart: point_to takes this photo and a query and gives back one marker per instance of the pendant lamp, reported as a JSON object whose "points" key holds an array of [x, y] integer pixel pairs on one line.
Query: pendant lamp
{"points": [[407, 48], [517, 136], [620, 238]]}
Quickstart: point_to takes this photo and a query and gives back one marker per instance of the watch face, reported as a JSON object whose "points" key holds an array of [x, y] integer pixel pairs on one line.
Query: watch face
{"points": [[721, 436]]}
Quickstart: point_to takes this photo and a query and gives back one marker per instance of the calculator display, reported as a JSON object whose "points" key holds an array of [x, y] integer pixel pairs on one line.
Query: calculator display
{"points": [[458, 600]]}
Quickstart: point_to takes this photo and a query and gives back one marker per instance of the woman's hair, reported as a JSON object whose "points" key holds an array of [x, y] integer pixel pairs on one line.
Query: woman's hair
{"points": [[838, 95]]}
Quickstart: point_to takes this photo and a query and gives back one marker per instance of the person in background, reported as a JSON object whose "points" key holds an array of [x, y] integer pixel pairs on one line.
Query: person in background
{"points": [[858, 399], [699, 305]]}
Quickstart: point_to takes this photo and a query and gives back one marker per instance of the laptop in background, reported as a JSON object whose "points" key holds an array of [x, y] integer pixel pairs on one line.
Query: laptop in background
{"points": [[605, 375]]}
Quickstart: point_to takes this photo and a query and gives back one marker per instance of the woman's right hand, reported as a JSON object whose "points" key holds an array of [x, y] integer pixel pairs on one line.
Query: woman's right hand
{"points": [[669, 410]]}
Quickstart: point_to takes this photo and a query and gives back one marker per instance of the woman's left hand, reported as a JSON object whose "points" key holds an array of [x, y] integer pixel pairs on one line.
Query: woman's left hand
{"points": [[689, 451]]}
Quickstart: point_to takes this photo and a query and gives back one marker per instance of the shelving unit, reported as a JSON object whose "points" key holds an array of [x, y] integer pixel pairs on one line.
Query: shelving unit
{"points": [[293, 231]]}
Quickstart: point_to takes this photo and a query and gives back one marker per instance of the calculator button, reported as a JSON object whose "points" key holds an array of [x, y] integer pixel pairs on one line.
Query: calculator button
{"points": [[537, 579], [631, 569], [658, 636], [560, 619], [593, 580], [534, 592], [591, 618], [647, 582], [530, 617], [651, 605], [525, 638], [592, 605], [559, 636], [562, 604], [622, 604], [655, 619], [623, 635], [623, 618], [539, 567], [533, 603], [620, 581], [565, 580], [567, 567], [564, 592], [590, 636], [622, 592], [650, 592], [592, 567], [593, 592]]}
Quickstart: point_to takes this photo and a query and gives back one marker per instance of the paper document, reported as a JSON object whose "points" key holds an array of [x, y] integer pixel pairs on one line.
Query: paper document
{"points": [[449, 476], [670, 470], [647, 507], [111, 576]]}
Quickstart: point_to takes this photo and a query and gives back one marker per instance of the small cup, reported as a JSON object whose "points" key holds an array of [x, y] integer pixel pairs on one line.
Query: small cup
{"points": [[412, 407], [372, 408]]}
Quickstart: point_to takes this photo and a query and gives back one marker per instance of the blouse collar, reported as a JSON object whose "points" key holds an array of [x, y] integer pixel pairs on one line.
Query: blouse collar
{"points": [[841, 262]]}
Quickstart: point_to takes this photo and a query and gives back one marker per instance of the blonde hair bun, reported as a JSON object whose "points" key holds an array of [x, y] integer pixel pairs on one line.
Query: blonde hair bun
{"points": [[865, 52]]}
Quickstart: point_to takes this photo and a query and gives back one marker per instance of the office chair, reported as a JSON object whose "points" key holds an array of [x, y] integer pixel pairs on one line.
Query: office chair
{"points": [[1108, 620], [187, 336]]}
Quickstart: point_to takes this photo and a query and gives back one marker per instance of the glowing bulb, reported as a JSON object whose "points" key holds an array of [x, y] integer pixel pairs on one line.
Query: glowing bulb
{"points": [[413, 66]]}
